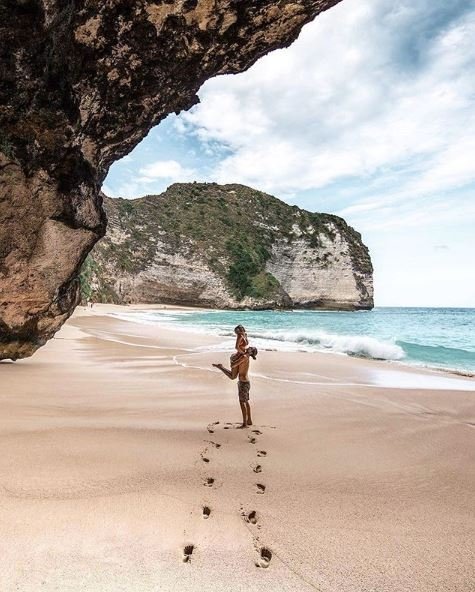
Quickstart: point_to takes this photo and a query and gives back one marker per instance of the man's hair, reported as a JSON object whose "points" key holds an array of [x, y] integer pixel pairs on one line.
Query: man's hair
{"points": [[252, 351]]}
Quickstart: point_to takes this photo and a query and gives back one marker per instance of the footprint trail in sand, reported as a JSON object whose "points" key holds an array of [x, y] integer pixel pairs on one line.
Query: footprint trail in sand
{"points": [[265, 554], [250, 517]]}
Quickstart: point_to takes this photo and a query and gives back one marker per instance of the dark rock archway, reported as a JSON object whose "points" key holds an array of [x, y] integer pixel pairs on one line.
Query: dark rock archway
{"points": [[82, 83]]}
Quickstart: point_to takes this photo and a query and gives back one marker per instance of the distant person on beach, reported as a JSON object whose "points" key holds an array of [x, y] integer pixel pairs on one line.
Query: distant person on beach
{"points": [[240, 369]]}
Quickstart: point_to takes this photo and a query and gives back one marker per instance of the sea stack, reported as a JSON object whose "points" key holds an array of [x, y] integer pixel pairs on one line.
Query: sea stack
{"points": [[227, 246]]}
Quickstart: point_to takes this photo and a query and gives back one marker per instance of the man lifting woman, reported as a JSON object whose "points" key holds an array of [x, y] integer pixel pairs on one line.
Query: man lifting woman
{"points": [[239, 362]]}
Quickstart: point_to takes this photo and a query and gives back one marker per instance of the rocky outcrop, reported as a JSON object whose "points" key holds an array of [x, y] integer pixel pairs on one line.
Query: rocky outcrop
{"points": [[227, 246], [82, 82], [329, 276]]}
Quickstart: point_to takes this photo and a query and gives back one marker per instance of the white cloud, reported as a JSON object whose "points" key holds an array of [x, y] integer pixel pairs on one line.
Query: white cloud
{"points": [[165, 169], [367, 87], [152, 178], [371, 112]]}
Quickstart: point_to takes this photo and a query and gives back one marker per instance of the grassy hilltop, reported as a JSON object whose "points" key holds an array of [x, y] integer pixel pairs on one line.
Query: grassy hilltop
{"points": [[231, 228]]}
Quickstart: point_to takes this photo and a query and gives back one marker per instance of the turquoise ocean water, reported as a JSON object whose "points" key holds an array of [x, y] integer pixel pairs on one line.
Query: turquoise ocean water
{"points": [[434, 337]]}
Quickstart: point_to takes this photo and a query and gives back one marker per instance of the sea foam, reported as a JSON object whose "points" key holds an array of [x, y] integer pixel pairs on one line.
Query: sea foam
{"points": [[354, 345]]}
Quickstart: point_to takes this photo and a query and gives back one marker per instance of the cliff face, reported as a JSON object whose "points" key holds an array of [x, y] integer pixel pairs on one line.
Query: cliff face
{"points": [[82, 83], [227, 246]]}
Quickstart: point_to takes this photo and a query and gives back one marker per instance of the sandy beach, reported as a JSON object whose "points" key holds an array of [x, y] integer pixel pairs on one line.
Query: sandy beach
{"points": [[119, 450]]}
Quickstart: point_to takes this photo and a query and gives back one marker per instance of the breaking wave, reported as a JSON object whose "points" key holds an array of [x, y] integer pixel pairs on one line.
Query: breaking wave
{"points": [[353, 345]]}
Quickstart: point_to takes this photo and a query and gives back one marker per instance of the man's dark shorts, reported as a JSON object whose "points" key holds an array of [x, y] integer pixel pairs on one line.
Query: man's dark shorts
{"points": [[243, 389]]}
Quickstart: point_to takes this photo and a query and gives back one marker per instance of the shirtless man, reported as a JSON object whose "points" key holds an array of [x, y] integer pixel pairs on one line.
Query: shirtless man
{"points": [[240, 370]]}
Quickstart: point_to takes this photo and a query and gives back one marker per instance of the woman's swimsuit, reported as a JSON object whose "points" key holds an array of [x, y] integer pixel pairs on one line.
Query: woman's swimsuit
{"points": [[237, 356]]}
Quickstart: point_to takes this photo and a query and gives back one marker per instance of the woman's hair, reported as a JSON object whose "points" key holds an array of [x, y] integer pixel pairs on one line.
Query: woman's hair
{"points": [[239, 329]]}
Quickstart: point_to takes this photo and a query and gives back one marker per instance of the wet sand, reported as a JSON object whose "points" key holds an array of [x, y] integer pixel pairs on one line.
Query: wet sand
{"points": [[119, 450]]}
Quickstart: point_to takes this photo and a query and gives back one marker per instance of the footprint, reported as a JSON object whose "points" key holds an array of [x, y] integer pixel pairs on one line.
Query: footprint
{"points": [[265, 557], [252, 440], [209, 482], [260, 488], [261, 453], [187, 553], [203, 457], [206, 512], [251, 517], [257, 432], [215, 444], [257, 469], [209, 427]]}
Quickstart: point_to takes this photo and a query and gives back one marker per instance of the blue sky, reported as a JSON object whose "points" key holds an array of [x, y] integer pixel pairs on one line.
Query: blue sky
{"points": [[370, 115]]}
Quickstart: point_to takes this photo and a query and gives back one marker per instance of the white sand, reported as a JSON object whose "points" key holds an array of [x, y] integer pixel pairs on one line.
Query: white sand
{"points": [[368, 471]]}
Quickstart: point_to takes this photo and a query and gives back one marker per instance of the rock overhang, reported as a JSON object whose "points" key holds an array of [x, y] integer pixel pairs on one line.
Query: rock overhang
{"points": [[82, 83]]}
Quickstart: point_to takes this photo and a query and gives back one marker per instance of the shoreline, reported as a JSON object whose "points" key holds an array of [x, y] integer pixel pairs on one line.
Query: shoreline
{"points": [[112, 310]]}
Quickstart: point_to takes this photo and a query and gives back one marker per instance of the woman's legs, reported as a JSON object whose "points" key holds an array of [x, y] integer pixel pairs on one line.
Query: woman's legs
{"points": [[231, 374]]}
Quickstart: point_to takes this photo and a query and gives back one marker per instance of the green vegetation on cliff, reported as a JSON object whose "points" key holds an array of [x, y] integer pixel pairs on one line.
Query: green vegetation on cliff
{"points": [[232, 228]]}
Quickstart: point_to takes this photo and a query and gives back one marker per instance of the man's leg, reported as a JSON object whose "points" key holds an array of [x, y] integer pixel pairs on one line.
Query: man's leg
{"points": [[244, 414], [248, 414]]}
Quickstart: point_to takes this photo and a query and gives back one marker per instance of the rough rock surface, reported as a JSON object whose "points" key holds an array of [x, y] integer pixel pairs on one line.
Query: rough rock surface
{"points": [[82, 82], [227, 246]]}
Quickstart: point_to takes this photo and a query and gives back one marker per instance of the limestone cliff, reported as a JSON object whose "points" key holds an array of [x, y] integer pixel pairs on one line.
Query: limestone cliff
{"points": [[82, 82], [227, 246]]}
